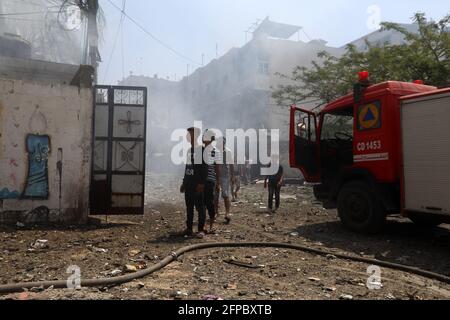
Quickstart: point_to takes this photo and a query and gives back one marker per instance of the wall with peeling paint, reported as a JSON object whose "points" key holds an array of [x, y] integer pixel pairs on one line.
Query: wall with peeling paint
{"points": [[45, 151]]}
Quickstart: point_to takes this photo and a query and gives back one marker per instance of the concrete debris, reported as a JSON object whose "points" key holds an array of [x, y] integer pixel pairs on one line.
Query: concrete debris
{"points": [[140, 285], [115, 273], [133, 253], [230, 286], [178, 295], [96, 249], [210, 297], [37, 289], [313, 279], [288, 197], [130, 268], [129, 244], [40, 244]]}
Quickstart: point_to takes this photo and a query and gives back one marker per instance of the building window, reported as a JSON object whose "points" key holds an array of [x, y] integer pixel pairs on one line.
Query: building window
{"points": [[263, 68]]}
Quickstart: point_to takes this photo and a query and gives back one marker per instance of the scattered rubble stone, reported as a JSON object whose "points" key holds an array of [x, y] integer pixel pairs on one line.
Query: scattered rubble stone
{"points": [[280, 274], [313, 279], [39, 244], [130, 268]]}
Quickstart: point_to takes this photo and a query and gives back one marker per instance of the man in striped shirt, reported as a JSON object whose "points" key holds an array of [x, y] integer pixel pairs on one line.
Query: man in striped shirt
{"points": [[213, 178], [226, 177]]}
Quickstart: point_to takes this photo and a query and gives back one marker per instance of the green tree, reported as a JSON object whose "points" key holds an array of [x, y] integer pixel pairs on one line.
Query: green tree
{"points": [[424, 55]]}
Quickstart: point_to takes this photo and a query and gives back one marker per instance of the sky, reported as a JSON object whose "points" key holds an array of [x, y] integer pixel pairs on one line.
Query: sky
{"points": [[196, 28]]}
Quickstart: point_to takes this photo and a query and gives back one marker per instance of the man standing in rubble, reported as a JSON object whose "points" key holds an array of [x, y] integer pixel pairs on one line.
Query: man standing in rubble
{"points": [[274, 182], [194, 184], [248, 172], [236, 184], [226, 177], [213, 179]]}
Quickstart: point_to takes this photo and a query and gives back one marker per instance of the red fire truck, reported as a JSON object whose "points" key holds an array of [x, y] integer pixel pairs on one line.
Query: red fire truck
{"points": [[385, 149]]}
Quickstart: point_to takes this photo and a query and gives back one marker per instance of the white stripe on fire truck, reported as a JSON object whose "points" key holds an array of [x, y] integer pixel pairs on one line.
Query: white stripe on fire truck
{"points": [[371, 157]]}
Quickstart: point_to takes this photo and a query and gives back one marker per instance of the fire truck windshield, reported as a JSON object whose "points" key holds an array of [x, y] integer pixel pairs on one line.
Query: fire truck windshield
{"points": [[338, 126]]}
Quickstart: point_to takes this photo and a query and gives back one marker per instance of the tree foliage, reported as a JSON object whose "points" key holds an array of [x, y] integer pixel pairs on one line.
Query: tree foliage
{"points": [[424, 55]]}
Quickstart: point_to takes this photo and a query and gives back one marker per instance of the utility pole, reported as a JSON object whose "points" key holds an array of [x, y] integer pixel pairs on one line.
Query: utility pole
{"points": [[2, 21], [94, 55]]}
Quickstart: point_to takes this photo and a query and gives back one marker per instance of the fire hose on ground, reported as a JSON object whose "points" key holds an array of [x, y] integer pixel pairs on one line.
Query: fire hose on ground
{"points": [[114, 281]]}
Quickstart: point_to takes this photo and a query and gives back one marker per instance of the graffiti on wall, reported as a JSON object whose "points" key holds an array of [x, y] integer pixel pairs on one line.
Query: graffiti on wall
{"points": [[38, 149], [6, 194]]}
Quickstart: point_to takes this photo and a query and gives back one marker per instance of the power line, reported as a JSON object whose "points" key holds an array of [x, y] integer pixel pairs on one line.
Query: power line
{"points": [[29, 3], [27, 13], [124, 3], [35, 12], [306, 34], [119, 28], [23, 19], [24, 13], [153, 36]]}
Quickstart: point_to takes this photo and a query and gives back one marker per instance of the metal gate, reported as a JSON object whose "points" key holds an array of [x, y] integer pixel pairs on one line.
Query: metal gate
{"points": [[119, 149]]}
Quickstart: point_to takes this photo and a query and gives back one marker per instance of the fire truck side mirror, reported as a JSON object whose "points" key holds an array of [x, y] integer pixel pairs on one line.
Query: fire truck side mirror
{"points": [[358, 91]]}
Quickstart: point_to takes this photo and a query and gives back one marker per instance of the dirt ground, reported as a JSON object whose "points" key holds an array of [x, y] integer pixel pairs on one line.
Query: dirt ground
{"points": [[106, 249]]}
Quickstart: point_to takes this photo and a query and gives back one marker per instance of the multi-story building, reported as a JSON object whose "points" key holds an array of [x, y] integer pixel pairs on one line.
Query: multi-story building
{"points": [[235, 90]]}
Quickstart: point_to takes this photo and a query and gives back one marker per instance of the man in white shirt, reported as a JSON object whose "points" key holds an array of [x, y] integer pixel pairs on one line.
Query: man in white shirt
{"points": [[212, 186], [227, 175]]}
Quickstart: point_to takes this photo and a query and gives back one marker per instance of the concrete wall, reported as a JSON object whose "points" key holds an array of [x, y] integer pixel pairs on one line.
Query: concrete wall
{"points": [[41, 124]]}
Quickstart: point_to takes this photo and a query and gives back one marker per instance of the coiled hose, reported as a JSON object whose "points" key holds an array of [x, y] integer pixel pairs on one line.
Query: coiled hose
{"points": [[113, 281]]}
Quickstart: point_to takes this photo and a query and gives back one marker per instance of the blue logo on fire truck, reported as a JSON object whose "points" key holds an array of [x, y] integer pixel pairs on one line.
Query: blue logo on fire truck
{"points": [[369, 116]]}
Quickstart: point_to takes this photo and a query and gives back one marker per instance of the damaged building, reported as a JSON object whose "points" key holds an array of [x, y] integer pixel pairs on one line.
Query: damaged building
{"points": [[235, 90], [45, 139]]}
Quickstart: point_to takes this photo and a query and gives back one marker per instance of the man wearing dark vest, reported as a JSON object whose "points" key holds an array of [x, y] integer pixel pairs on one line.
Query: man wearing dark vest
{"points": [[194, 184]]}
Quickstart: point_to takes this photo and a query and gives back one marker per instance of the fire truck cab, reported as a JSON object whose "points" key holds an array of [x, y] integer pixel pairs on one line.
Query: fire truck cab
{"points": [[352, 152]]}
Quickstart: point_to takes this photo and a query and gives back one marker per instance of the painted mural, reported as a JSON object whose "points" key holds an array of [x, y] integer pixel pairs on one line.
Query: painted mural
{"points": [[38, 148], [6, 194]]}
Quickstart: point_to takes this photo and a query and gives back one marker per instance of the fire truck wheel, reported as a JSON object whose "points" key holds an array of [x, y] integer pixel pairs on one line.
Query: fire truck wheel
{"points": [[359, 209], [425, 221]]}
